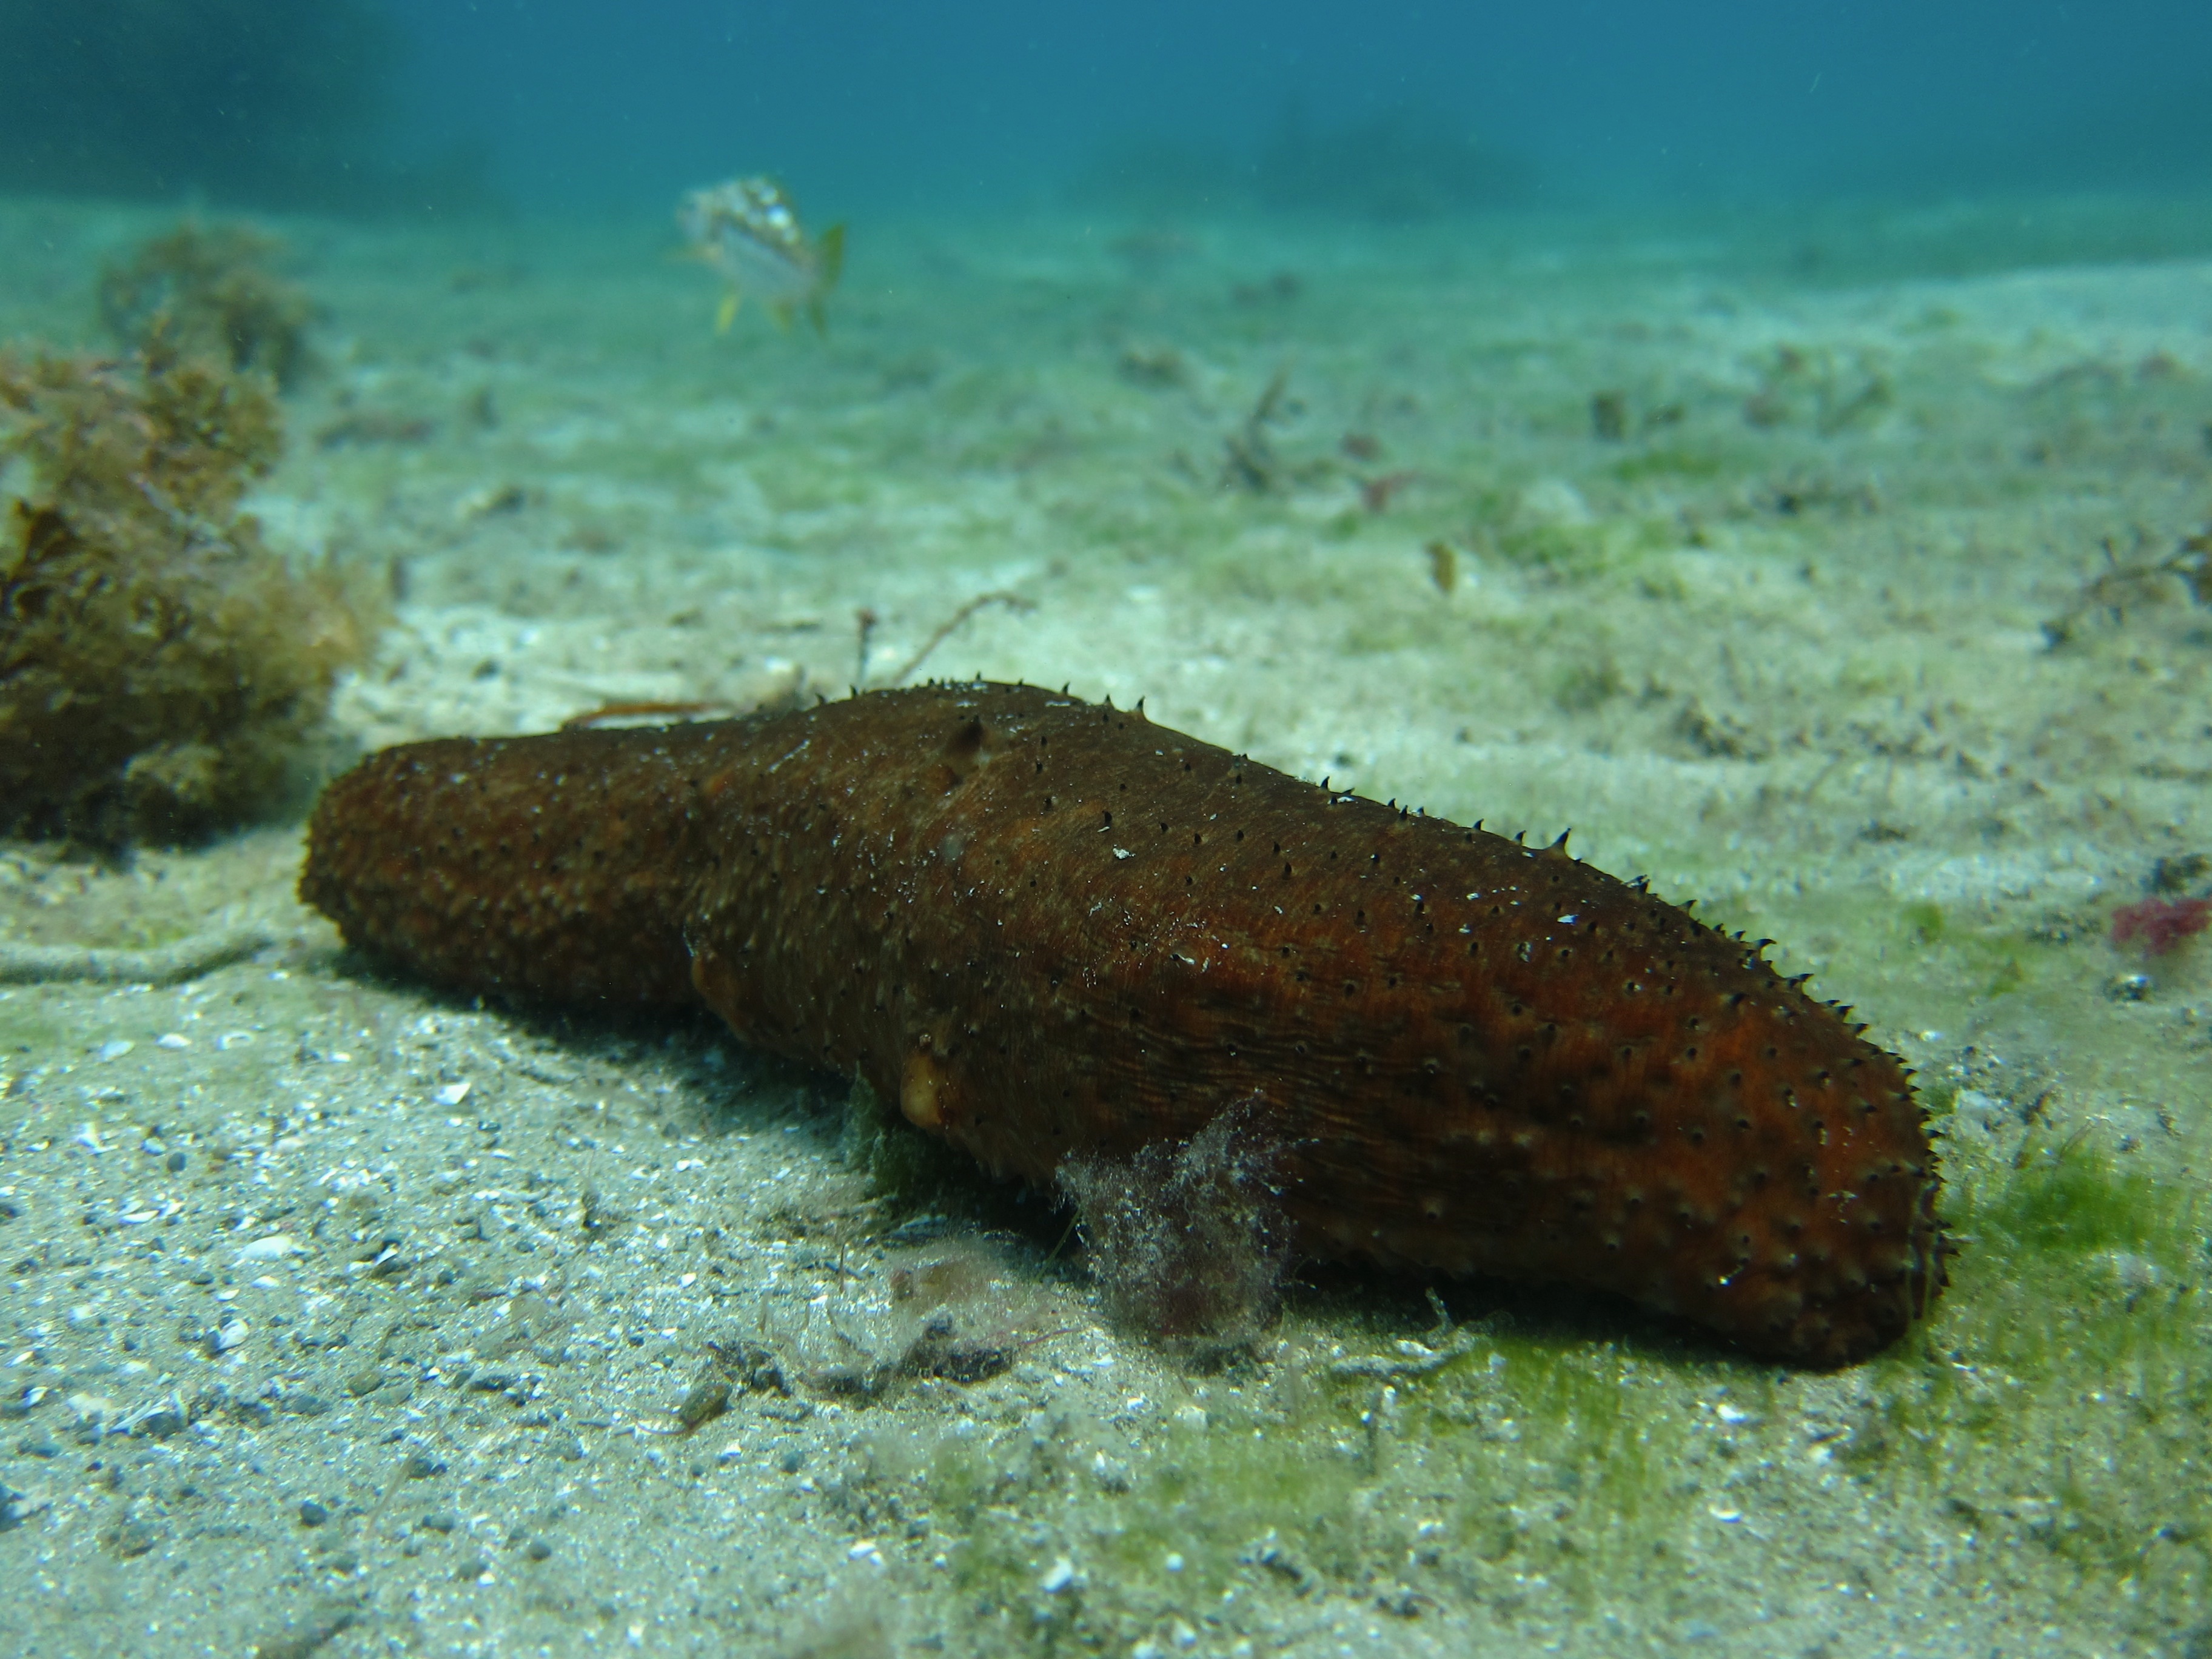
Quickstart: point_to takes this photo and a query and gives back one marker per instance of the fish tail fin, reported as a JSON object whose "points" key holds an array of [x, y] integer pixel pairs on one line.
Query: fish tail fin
{"points": [[831, 249], [818, 314], [781, 311], [726, 313]]}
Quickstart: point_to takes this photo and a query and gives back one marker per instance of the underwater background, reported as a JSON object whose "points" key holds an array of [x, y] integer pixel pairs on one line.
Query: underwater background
{"points": [[557, 105], [915, 109], [1773, 442]]}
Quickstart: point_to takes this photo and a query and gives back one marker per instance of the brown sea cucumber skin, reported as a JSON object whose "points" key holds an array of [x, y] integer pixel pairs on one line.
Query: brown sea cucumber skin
{"points": [[1046, 927]]}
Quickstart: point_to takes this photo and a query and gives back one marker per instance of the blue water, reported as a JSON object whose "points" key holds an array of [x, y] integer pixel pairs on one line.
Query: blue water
{"points": [[1391, 108], [884, 105]]}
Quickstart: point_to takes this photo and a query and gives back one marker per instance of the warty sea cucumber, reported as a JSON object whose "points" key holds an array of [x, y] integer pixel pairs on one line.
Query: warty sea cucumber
{"points": [[1049, 928]]}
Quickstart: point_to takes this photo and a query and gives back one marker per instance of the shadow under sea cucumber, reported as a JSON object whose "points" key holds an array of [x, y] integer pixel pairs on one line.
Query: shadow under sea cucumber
{"points": [[1051, 929]]}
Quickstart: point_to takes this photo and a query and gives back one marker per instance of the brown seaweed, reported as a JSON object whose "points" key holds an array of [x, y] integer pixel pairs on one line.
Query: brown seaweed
{"points": [[161, 669]]}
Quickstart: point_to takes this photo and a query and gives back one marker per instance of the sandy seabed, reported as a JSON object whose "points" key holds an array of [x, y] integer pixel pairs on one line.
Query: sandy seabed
{"points": [[1834, 570]]}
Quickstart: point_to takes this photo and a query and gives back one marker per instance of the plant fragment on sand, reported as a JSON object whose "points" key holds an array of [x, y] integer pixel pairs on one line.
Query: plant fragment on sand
{"points": [[206, 291], [2141, 582], [160, 668]]}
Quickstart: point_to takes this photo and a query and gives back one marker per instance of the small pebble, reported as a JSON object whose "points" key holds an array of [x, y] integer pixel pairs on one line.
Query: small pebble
{"points": [[312, 1514], [537, 1549], [131, 1539], [161, 1423]]}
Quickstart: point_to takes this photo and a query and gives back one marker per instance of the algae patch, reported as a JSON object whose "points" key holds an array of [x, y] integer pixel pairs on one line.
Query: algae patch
{"points": [[2071, 1343], [161, 669], [208, 291]]}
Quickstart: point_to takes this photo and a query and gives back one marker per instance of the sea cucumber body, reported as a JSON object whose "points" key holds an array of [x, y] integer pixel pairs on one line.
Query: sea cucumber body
{"points": [[1046, 927]]}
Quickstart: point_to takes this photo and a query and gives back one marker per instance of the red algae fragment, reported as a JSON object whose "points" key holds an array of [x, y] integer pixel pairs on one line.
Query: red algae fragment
{"points": [[2160, 925]]}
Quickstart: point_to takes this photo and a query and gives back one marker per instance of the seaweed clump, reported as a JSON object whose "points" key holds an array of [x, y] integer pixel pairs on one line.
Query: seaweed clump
{"points": [[208, 291], [161, 669], [1187, 1242]]}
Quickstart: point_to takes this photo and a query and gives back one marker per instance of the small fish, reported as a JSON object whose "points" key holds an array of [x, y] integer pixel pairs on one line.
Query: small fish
{"points": [[747, 230]]}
